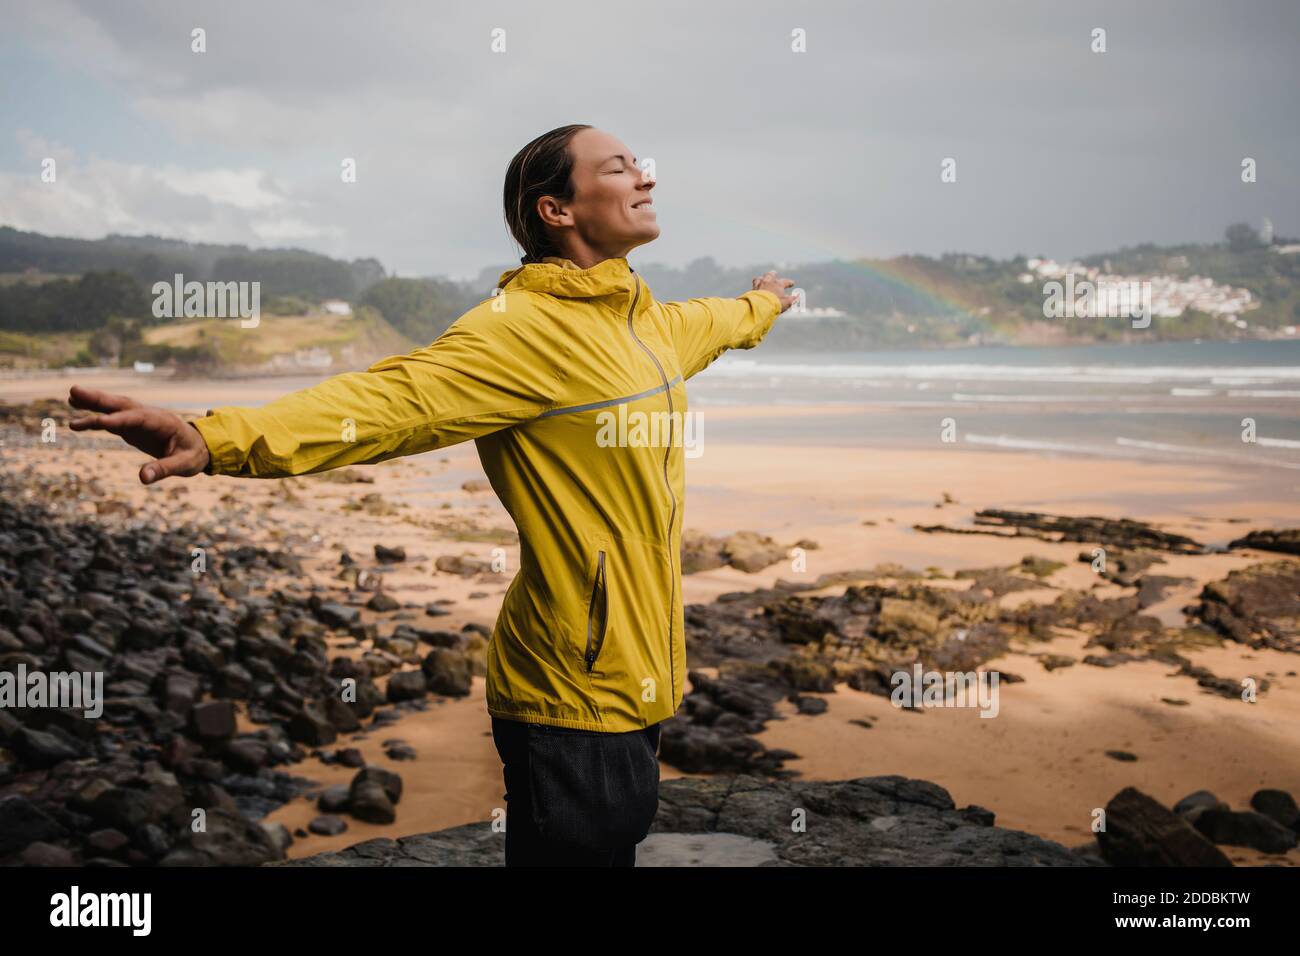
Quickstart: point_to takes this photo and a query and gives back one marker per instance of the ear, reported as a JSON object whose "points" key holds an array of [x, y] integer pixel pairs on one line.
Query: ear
{"points": [[553, 213]]}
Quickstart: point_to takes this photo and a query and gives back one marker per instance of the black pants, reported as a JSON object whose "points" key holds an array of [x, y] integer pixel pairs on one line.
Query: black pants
{"points": [[602, 777]]}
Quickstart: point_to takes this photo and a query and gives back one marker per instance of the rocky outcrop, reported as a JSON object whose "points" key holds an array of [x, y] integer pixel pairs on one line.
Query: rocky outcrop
{"points": [[747, 551], [1258, 606], [773, 644], [1140, 831], [178, 650], [1109, 532], [1284, 541], [744, 820]]}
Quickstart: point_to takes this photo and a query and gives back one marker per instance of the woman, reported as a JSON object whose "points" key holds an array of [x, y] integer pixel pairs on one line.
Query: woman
{"points": [[588, 655]]}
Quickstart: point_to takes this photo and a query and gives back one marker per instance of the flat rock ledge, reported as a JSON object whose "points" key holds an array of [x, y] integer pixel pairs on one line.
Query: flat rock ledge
{"points": [[744, 820]]}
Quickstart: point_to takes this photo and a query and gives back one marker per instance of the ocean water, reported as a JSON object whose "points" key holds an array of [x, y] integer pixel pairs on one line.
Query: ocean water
{"points": [[1165, 401]]}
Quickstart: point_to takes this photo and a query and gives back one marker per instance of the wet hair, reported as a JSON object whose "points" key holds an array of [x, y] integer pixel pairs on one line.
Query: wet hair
{"points": [[542, 168]]}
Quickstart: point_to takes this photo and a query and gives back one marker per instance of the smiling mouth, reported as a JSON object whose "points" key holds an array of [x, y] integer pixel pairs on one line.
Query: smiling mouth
{"points": [[643, 202]]}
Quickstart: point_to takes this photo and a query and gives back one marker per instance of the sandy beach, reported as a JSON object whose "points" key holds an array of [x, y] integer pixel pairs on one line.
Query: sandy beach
{"points": [[1041, 767]]}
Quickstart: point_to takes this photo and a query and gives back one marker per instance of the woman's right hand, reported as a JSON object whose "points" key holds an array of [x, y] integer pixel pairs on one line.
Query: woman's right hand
{"points": [[178, 445]]}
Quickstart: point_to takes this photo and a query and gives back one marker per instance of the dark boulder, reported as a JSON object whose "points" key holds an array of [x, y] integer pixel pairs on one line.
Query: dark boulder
{"points": [[1141, 831]]}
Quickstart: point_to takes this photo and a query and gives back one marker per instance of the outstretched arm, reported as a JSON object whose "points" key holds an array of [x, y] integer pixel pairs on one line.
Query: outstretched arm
{"points": [[704, 328], [474, 379]]}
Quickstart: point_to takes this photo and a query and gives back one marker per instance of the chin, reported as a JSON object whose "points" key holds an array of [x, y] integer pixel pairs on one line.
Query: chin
{"points": [[648, 233]]}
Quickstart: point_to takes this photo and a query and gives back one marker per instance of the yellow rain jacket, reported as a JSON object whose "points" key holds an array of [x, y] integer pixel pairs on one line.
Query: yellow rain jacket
{"points": [[571, 383]]}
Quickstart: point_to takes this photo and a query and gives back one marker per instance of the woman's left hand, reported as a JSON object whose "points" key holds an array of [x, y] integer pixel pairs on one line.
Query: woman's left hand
{"points": [[770, 282]]}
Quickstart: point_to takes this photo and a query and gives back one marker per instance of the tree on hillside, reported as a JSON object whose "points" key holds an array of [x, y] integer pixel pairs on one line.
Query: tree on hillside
{"points": [[1242, 237], [302, 274], [420, 309], [72, 305]]}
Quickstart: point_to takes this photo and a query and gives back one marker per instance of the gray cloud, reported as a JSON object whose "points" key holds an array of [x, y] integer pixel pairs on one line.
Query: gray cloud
{"points": [[761, 153]]}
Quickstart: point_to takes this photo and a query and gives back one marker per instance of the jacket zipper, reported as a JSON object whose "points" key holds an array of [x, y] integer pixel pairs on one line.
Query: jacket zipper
{"points": [[597, 585], [672, 576]]}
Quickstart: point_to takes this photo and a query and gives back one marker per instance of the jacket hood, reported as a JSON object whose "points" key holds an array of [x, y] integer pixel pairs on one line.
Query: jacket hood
{"points": [[561, 277]]}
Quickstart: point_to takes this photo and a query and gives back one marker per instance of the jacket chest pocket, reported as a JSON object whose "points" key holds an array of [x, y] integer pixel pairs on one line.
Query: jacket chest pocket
{"points": [[597, 611]]}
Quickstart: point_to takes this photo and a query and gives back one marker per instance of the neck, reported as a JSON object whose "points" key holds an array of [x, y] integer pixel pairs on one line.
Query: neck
{"points": [[584, 255]]}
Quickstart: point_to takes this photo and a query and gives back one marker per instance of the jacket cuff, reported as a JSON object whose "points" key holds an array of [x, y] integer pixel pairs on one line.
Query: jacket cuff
{"points": [[224, 456], [767, 318], [772, 296]]}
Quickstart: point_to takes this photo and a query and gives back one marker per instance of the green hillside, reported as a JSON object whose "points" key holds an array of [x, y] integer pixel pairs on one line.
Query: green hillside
{"points": [[72, 300]]}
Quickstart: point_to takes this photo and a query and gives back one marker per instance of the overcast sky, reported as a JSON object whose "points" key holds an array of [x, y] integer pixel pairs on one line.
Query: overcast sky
{"points": [[762, 153]]}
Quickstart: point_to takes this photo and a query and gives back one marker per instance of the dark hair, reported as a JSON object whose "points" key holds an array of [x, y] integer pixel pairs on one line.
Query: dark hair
{"points": [[542, 168]]}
